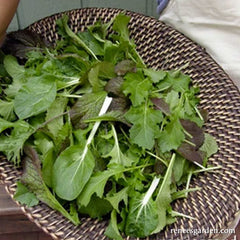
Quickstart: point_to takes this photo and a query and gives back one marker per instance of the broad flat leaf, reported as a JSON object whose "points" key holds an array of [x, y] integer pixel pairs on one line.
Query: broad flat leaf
{"points": [[4, 124], [141, 223], [137, 87], [112, 230], [113, 86], [32, 179], [125, 66], [56, 109], [195, 131], [71, 171], [35, 97], [190, 153], [171, 137], [97, 207], [17, 72], [23, 196], [160, 104], [6, 110], [12, 145], [145, 127], [92, 43]]}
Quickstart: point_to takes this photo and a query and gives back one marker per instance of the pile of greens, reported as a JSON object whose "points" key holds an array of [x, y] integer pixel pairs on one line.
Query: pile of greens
{"points": [[98, 132]]}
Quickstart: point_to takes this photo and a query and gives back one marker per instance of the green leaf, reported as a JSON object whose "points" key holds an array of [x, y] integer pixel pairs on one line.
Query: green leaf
{"points": [[100, 72], [117, 197], [96, 185], [23, 196], [171, 137], [112, 230], [32, 179], [175, 80], [92, 43], [210, 145], [164, 198], [6, 110], [97, 207], [120, 25], [35, 97], [145, 127], [88, 106], [12, 144], [71, 171], [66, 31], [137, 87], [154, 75], [141, 221], [15, 70], [116, 154], [57, 108]]}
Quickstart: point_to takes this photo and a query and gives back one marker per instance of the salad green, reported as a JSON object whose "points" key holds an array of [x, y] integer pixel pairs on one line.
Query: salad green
{"points": [[97, 132]]}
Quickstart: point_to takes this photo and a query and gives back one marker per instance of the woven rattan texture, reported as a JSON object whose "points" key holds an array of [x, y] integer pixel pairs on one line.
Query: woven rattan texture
{"points": [[216, 205]]}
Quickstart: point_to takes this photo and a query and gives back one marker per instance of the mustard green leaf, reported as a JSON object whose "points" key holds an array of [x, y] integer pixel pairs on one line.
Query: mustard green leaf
{"points": [[145, 127], [35, 96]]}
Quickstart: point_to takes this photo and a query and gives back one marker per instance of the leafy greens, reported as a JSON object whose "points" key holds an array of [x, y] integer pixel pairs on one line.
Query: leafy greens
{"points": [[103, 135]]}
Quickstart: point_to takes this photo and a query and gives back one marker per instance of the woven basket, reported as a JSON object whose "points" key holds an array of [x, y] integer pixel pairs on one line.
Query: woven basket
{"points": [[216, 205]]}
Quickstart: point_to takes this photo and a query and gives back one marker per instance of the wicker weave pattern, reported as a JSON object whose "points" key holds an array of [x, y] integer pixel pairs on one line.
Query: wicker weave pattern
{"points": [[217, 204]]}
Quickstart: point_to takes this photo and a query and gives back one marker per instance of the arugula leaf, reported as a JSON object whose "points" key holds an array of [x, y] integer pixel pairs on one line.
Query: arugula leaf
{"points": [[116, 154], [172, 136], [137, 87], [35, 96], [32, 179], [154, 75], [12, 145], [96, 184], [145, 122], [23, 196], [117, 197]]}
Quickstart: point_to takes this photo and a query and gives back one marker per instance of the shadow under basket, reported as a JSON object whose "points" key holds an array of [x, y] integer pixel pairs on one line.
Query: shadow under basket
{"points": [[217, 204]]}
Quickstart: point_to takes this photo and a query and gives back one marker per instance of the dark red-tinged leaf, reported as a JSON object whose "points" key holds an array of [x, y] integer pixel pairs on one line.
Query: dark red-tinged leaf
{"points": [[125, 66], [160, 104], [20, 42], [113, 87], [195, 131], [204, 114], [190, 153], [119, 104]]}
